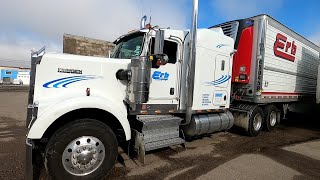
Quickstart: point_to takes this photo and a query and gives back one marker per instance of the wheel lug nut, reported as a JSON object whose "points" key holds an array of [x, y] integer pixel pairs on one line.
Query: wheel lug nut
{"points": [[78, 151], [79, 166], [84, 148]]}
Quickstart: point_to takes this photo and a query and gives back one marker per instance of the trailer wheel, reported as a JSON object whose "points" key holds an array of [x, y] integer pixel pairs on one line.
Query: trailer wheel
{"points": [[270, 117], [255, 122], [83, 149]]}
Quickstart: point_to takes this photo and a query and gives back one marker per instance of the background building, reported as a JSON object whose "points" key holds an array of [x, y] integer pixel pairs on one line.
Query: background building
{"points": [[80, 45]]}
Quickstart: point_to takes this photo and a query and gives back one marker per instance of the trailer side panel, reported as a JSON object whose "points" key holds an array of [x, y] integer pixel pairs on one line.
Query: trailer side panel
{"points": [[290, 64]]}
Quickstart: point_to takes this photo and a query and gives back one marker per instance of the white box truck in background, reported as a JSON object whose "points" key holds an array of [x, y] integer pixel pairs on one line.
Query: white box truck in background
{"points": [[160, 86]]}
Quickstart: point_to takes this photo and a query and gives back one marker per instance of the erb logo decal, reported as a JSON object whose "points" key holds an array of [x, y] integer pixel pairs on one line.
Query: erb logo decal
{"points": [[158, 75], [284, 48]]}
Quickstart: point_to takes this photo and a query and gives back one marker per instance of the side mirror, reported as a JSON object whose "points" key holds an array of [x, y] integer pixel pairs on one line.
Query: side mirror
{"points": [[159, 42], [159, 60]]}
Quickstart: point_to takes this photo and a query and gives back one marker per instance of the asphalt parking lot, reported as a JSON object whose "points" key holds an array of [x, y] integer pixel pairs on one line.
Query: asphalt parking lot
{"points": [[292, 151]]}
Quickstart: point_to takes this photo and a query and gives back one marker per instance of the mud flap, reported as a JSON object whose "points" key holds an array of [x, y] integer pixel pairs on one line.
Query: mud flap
{"points": [[139, 146], [28, 163], [278, 116]]}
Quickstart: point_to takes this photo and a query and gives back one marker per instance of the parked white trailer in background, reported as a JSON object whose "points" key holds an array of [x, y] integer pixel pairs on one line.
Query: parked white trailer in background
{"points": [[160, 86], [24, 77]]}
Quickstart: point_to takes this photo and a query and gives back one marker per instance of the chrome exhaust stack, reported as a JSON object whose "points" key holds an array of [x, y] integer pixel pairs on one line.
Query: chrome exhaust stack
{"points": [[191, 62]]}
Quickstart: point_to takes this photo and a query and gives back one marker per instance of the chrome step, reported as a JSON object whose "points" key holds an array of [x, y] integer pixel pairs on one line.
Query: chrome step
{"points": [[164, 143], [152, 132]]}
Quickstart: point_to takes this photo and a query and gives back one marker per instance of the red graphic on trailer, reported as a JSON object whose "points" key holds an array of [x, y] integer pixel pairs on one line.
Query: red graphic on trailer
{"points": [[284, 48]]}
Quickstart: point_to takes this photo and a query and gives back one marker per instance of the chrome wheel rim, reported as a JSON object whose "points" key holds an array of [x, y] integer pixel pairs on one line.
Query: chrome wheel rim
{"points": [[273, 118], [83, 155], [257, 122]]}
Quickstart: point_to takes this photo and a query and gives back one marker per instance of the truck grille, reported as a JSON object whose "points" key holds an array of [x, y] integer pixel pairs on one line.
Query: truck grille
{"points": [[229, 28]]}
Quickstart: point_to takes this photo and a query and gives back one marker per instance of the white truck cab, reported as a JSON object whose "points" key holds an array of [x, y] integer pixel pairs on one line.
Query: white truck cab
{"points": [[161, 86]]}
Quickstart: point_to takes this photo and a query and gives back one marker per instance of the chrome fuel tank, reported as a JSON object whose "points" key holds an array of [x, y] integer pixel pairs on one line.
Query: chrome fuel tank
{"points": [[208, 123]]}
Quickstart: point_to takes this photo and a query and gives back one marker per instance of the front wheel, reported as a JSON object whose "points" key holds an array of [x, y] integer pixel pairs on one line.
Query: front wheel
{"points": [[83, 149]]}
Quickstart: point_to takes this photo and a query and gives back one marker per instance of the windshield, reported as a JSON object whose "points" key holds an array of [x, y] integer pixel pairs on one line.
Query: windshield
{"points": [[128, 47]]}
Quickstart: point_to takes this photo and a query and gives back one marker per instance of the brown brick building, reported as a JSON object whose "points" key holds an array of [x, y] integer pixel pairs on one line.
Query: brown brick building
{"points": [[79, 45]]}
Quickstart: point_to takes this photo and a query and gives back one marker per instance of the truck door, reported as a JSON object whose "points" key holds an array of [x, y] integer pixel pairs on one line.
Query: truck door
{"points": [[163, 86], [222, 76], [222, 71]]}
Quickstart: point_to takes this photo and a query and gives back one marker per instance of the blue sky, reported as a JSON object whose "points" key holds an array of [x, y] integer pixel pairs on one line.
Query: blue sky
{"points": [[302, 16], [31, 24]]}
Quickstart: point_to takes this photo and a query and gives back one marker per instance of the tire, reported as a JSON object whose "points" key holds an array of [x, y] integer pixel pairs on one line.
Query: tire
{"points": [[255, 122], [270, 117], [71, 145]]}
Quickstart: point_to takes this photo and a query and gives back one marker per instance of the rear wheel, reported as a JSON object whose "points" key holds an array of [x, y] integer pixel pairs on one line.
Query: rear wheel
{"points": [[255, 122], [83, 149], [270, 117]]}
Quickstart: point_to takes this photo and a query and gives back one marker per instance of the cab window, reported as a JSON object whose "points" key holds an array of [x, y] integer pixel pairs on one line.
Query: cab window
{"points": [[170, 48]]}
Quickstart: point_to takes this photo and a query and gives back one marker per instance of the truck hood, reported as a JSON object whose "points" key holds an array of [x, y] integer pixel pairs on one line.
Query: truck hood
{"points": [[63, 76]]}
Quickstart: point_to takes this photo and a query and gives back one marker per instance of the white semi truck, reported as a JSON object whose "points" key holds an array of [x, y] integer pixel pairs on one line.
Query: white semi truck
{"points": [[159, 87]]}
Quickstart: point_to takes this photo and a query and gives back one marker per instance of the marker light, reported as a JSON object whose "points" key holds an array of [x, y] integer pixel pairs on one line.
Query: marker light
{"points": [[148, 26]]}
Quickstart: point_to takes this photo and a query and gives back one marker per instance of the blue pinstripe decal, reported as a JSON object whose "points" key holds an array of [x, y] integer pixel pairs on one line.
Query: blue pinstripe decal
{"points": [[63, 82], [222, 79]]}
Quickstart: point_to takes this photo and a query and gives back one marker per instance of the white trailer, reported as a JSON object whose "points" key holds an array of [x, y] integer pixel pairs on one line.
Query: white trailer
{"points": [[274, 68], [159, 86], [23, 77]]}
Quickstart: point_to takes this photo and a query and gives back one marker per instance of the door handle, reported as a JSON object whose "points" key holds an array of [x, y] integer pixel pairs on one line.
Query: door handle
{"points": [[171, 91]]}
